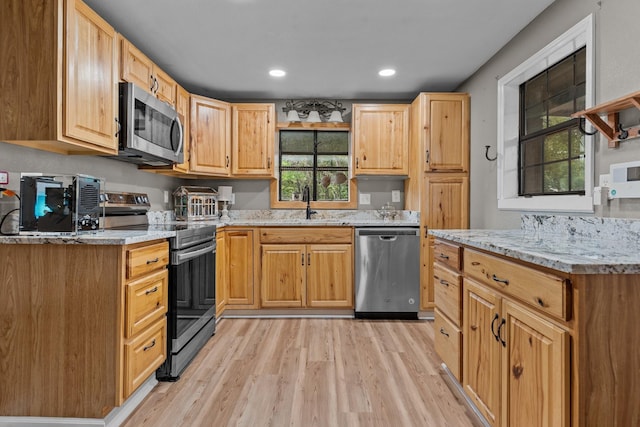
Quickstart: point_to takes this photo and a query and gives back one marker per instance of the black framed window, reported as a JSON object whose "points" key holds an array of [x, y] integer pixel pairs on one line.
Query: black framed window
{"points": [[551, 146], [319, 159]]}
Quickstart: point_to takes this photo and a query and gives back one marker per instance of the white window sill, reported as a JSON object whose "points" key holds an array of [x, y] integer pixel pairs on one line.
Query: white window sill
{"points": [[569, 203]]}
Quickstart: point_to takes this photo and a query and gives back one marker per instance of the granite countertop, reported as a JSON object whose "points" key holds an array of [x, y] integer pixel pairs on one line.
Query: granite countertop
{"points": [[569, 244], [257, 218]]}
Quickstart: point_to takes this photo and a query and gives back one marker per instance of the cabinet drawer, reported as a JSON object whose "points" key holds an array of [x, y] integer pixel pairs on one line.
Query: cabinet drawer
{"points": [[144, 259], [145, 301], [448, 293], [544, 291], [448, 343], [143, 355], [447, 254], [306, 235]]}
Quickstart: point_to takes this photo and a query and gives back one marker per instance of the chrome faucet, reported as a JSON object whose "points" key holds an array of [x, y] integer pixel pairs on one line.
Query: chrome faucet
{"points": [[307, 198]]}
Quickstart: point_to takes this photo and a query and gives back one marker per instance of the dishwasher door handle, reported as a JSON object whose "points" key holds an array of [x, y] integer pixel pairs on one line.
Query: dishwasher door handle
{"points": [[388, 238]]}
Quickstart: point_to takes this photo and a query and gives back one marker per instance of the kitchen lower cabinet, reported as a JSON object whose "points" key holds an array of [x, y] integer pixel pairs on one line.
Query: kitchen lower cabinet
{"points": [[307, 267], [540, 347], [239, 245], [59, 62], [222, 277], [307, 276], [86, 322]]}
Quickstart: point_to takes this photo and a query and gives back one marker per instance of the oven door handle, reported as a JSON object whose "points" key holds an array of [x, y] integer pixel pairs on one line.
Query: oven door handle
{"points": [[185, 256]]}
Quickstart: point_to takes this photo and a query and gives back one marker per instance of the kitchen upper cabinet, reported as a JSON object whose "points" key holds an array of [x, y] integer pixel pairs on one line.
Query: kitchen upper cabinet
{"points": [[137, 68], [210, 145], [60, 59], [253, 139], [444, 128], [380, 139]]}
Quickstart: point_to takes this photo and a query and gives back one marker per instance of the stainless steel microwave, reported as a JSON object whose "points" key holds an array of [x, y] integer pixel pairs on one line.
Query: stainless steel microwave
{"points": [[151, 132]]}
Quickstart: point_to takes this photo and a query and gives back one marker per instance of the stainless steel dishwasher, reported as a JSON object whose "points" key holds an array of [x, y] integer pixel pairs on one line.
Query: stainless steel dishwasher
{"points": [[387, 272]]}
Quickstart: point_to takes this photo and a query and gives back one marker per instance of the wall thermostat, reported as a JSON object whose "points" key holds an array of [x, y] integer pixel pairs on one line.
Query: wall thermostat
{"points": [[625, 180]]}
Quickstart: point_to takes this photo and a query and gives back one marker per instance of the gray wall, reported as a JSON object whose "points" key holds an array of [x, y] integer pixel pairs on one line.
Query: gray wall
{"points": [[617, 73]]}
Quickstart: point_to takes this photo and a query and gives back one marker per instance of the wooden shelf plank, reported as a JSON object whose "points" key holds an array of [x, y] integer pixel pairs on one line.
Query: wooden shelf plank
{"points": [[628, 101]]}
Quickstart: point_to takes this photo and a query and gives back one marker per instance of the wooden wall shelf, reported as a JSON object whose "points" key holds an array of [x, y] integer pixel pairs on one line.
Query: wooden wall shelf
{"points": [[611, 128]]}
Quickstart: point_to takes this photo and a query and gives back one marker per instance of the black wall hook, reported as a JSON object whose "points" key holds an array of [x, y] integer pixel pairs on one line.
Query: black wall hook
{"points": [[486, 153], [624, 133], [581, 128]]}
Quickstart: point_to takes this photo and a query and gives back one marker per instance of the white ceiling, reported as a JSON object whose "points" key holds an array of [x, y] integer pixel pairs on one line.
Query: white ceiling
{"points": [[329, 48]]}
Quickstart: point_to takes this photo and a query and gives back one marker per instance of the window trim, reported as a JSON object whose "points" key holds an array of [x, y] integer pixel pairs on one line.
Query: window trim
{"points": [[580, 35], [352, 203]]}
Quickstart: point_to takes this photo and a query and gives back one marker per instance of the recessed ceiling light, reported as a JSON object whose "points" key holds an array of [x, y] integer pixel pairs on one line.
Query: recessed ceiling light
{"points": [[387, 72], [277, 73]]}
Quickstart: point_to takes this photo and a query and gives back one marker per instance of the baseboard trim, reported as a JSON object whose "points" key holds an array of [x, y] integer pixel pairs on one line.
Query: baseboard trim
{"points": [[457, 389], [114, 419]]}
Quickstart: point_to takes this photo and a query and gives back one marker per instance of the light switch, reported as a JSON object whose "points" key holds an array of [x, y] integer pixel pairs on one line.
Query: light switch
{"points": [[365, 199], [4, 178], [395, 196]]}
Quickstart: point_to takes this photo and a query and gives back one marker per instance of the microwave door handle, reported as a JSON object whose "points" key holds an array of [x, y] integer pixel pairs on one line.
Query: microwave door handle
{"points": [[181, 135]]}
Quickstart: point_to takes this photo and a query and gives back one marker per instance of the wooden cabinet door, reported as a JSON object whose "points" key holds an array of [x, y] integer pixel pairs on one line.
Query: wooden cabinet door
{"points": [[165, 86], [283, 268], [253, 139], [535, 370], [427, 298], [210, 136], [182, 107], [447, 132], [239, 246], [90, 86], [481, 350], [221, 273], [135, 66], [381, 139], [330, 276], [446, 201]]}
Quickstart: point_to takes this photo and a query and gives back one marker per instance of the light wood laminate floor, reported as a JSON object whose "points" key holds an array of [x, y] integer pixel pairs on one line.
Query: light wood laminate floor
{"points": [[309, 372]]}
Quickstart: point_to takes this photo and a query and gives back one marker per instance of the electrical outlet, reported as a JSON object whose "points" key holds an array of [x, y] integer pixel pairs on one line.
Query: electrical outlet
{"points": [[605, 180], [4, 178], [233, 199], [166, 196], [395, 196], [365, 199]]}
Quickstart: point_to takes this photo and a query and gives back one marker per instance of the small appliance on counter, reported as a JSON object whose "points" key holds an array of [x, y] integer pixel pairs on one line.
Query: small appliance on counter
{"points": [[60, 204], [195, 203]]}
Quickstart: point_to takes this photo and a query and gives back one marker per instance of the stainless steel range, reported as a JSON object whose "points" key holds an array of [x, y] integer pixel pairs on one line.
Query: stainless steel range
{"points": [[192, 274]]}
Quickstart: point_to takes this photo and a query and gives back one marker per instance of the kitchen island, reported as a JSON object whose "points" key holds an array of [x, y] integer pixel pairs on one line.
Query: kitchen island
{"points": [[537, 326]]}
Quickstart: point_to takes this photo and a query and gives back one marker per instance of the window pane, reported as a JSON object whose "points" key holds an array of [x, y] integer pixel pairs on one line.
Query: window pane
{"points": [[577, 143], [561, 76], [332, 186], [577, 175], [532, 179], [556, 177], [535, 118], [560, 108], [292, 183], [556, 146], [333, 142], [333, 161], [581, 66], [296, 141], [580, 97], [535, 90], [532, 150], [296, 160]]}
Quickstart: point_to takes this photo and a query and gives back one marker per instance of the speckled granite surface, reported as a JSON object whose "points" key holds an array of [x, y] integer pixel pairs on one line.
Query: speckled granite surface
{"points": [[249, 218], [581, 245]]}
